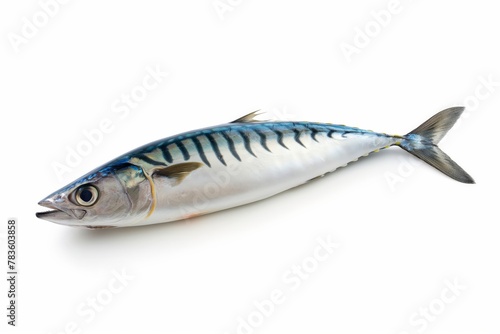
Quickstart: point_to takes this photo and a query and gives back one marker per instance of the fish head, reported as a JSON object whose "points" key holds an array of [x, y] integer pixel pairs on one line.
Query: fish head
{"points": [[112, 196]]}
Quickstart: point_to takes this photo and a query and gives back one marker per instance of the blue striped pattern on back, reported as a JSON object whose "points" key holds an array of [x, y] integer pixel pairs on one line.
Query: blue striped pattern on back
{"points": [[225, 135], [214, 137]]}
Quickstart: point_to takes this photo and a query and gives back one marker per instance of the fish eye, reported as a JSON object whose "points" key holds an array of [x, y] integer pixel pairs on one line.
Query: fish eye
{"points": [[87, 195]]}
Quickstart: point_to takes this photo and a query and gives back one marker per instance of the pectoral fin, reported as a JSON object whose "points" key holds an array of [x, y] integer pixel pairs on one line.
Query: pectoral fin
{"points": [[178, 172]]}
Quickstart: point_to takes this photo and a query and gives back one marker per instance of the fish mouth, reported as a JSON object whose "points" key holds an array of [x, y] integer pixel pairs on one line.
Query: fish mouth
{"points": [[68, 217], [59, 215]]}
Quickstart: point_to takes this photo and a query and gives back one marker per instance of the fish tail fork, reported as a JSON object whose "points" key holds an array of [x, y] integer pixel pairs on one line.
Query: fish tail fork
{"points": [[422, 143]]}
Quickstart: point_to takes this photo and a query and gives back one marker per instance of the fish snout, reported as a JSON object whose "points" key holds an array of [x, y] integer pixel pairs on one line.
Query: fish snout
{"points": [[59, 214]]}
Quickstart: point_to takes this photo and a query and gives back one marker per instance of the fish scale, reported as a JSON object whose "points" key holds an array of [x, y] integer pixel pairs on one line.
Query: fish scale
{"points": [[224, 166], [292, 153], [226, 137]]}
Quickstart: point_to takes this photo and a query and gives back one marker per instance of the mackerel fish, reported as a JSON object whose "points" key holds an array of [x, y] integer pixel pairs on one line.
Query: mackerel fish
{"points": [[229, 165]]}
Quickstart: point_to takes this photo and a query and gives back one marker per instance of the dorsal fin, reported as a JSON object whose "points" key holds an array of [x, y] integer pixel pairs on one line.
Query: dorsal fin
{"points": [[249, 118]]}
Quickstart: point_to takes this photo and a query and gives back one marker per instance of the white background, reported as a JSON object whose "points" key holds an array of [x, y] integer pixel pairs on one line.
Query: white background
{"points": [[399, 241]]}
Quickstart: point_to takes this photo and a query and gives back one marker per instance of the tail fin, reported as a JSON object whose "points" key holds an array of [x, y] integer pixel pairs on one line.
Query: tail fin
{"points": [[422, 143]]}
